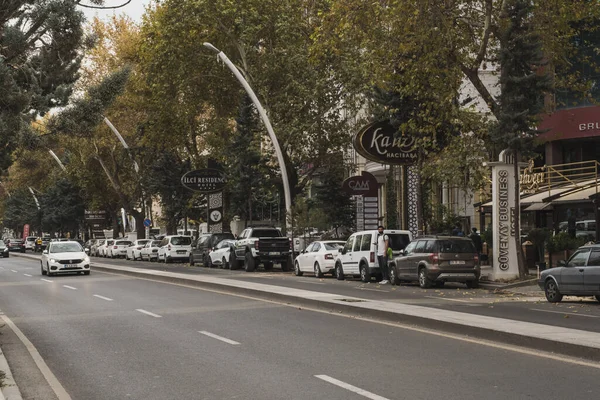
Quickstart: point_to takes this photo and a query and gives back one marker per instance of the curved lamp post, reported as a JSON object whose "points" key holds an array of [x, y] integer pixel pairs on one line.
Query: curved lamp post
{"points": [[265, 119]]}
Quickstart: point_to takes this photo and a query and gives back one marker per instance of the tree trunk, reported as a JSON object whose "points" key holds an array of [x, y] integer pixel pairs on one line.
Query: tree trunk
{"points": [[139, 223], [523, 271]]}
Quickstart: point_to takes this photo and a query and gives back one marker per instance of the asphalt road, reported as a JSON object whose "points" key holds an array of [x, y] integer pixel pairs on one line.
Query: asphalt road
{"points": [[107, 336], [521, 304]]}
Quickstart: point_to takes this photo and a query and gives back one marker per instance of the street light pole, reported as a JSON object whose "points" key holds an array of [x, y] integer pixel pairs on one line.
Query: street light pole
{"points": [[62, 166], [265, 119]]}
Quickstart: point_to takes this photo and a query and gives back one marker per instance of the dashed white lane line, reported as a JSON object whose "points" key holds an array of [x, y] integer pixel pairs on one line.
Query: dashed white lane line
{"points": [[14, 271], [148, 313], [311, 283], [221, 338], [350, 387], [564, 312], [102, 297], [69, 287], [372, 290], [443, 298], [47, 280], [28, 275]]}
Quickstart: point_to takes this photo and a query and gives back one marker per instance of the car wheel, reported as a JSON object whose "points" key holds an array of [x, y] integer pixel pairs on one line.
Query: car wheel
{"points": [[318, 272], [233, 263], [470, 284], [297, 270], [48, 270], [224, 263], [553, 295], [249, 262], [394, 276], [339, 272], [365, 275], [42, 267], [285, 266], [191, 260], [209, 263], [424, 281]]}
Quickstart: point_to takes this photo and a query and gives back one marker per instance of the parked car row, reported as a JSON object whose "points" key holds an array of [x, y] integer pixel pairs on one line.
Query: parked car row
{"points": [[169, 249]]}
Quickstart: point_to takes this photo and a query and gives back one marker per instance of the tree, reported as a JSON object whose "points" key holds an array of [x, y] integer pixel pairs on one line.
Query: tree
{"points": [[524, 85], [20, 209], [63, 208], [337, 207]]}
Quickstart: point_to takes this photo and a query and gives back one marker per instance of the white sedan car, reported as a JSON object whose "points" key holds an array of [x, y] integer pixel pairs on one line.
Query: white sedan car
{"points": [[135, 250], [63, 257], [150, 251], [219, 256], [318, 258]]}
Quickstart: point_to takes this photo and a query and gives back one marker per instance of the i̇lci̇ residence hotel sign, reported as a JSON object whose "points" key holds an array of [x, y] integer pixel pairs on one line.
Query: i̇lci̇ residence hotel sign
{"points": [[380, 142], [205, 180]]}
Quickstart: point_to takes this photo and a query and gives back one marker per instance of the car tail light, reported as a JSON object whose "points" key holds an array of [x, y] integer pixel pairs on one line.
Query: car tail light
{"points": [[169, 247], [115, 247], [329, 256], [434, 258], [291, 244], [256, 245], [372, 256], [475, 258]]}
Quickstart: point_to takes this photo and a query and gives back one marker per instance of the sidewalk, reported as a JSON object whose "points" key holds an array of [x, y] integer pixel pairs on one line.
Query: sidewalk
{"points": [[9, 391], [567, 341]]}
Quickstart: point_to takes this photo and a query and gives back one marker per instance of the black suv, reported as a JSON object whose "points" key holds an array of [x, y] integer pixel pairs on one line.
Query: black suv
{"points": [[205, 244], [434, 260]]}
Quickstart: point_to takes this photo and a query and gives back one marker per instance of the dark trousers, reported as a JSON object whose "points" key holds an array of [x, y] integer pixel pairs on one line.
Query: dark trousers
{"points": [[383, 266]]}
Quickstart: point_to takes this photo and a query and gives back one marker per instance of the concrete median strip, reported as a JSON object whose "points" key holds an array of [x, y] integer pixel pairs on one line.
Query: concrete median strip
{"points": [[10, 390], [567, 341]]}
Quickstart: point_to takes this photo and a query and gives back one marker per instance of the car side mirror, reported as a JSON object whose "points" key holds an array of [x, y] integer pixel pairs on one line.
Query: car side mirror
{"points": [[45, 252], [562, 263]]}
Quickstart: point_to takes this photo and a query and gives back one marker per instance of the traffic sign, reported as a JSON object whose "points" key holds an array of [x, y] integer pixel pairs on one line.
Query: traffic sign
{"points": [[147, 223]]}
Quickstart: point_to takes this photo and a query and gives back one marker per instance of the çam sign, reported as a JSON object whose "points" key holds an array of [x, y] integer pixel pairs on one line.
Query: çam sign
{"points": [[205, 180], [361, 185], [379, 142]]}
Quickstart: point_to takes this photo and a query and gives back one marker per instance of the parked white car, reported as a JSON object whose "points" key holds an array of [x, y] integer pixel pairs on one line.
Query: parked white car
{"points": [[103, 250], [95, 248], [359, 254], [150, 251], [118, 249], [318, 258], [134, 251], [219, 256], [63, 257], [30, 243], [175, 247]]}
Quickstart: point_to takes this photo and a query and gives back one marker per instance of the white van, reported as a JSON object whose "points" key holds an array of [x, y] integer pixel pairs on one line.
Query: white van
{"points": [[175, 247], [359, 254]]}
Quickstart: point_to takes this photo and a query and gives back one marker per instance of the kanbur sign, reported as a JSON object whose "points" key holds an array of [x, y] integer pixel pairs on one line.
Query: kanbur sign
{"points": [[381, 142]]}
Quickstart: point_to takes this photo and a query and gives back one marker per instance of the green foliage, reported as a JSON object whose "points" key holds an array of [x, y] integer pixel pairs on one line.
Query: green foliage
{"points": [[20, 209], [62, 207], [487, 236], [563, 241], [443, 220], [539, 237], [337, 207]]}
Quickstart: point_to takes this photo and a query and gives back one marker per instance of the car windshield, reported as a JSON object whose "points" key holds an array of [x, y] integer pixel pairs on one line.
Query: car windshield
{"points": [[65, 248], [155, 243], [144, 241], [333, 246], [456, 246], [123, 243], [262, 233], [181, 240]]}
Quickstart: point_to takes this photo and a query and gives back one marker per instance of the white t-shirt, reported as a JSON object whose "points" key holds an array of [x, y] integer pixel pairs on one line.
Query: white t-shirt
{"points": [[381, 244]]}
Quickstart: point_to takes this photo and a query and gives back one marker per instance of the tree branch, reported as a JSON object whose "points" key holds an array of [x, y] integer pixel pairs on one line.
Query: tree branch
{"points": [[486, 33], [473, 76]]}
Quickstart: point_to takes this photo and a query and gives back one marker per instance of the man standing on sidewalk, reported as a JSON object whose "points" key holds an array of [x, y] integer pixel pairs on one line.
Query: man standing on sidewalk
{"points": [[382, 248]]}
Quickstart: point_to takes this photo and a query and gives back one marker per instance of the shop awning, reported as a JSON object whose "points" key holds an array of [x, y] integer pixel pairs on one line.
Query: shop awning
{"points": [[539, 207], [577, 195]]}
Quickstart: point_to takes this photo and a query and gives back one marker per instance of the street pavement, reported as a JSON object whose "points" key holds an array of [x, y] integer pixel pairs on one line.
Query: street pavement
{"points": [[108, 336], [521, 303]]}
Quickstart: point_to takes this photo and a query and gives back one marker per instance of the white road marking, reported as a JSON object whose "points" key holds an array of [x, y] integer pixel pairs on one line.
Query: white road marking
{"points": [[564, 312], [102, 297], [14, 271], [221, 338], [311, 282], [148, 313], [372, 290], [27, 275], [58, 389], [69, 287], [350, 387], [47, 280], [443, 298]]}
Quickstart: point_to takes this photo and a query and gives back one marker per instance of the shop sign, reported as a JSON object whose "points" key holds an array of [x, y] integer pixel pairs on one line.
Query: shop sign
{"points": [[91, 216], [361, 185], [205, 180], [530, 181], [589, 126], [380, 142]]}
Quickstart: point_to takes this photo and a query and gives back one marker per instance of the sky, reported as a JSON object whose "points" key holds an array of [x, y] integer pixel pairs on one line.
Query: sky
{"points": [[135, 9]]}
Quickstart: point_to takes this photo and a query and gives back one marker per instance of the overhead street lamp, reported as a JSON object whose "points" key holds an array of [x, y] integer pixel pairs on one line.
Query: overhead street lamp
{"points": [[265, 119], [62, 166]]}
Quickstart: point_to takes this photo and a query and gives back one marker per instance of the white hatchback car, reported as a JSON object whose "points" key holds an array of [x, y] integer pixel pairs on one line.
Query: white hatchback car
{"points": [[318, 258], [219, 256], [175, 247], [63, 257], [134, 251], [359, 254], [118, 249], [103, 250], [150, 250]]}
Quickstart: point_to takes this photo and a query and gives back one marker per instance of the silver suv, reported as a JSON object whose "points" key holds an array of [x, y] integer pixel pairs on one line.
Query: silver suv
{"points": [[434, 260]]}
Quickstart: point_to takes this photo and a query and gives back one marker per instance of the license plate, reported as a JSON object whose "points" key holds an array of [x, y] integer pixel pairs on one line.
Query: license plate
{"points": [[274, 253], [180, 251], [457, 262], [69, 265]]}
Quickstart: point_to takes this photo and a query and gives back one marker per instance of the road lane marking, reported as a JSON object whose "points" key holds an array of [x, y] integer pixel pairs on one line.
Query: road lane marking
{"points": [[27, 275], [312, 283], [47, 280], [148, 313], [564, 312], [372, 290], [14, 271], [58, 389], [102, 297], [69, 287], [443, 298], [221, 338], [350, 387]]}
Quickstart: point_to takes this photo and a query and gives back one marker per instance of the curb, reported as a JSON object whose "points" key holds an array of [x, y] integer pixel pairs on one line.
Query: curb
{"points": [[10, 391], [552, 339], [490, 285]]}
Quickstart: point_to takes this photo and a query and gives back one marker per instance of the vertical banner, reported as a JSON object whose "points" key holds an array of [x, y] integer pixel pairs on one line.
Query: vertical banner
{"points": [[25, 230], [364, 188], [215, 212], [412, 199]]}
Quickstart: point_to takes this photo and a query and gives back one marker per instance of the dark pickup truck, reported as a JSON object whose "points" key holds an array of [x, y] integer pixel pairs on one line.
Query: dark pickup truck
{"points": [[261, 245]]}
